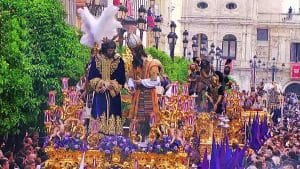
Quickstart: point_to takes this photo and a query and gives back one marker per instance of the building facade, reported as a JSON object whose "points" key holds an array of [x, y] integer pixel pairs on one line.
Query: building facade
{"points": [[244, 29]]}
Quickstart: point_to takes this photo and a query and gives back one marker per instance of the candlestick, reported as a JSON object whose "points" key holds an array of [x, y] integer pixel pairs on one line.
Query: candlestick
{"points": [[152, 120], [186, 89], [136, 164], [51, 98], [163, 102], [65, 84], [133, 126], [73, 97], [94, 162], [173, 89], [47, 114], [80, 115]]}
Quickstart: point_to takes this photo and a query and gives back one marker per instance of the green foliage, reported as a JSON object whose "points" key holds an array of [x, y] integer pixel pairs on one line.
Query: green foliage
{"points": [[16, 102], [120, 49], [37, 48], [177, 70]]}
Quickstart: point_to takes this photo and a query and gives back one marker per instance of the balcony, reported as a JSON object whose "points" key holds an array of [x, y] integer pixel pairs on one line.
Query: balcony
{"points": [[279, 18]]}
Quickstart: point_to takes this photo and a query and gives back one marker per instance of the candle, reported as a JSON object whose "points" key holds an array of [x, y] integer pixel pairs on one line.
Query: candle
{"points": [[65, 83], [186, 89], [176, 87], [190, 120], [94, 162], [173, 89], [80, 115], [95, 126], [136, 164], [152, 121], [163, 102], [133, 127], [51, 98], [73, 97], [46, 118]]}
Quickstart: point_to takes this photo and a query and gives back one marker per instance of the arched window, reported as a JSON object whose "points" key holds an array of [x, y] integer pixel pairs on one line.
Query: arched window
{"points": [[229, 46]]}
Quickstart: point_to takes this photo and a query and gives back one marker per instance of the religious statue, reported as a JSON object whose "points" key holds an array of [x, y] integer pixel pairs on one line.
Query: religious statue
{"points": [[106, 70], [215, 93], [192, 78], [203, 83], [107, 77], [143, 79]]}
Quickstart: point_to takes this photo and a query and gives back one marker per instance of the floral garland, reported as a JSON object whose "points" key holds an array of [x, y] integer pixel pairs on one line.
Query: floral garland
{"points": [[67, 142], [164, 145], [107, 144]]}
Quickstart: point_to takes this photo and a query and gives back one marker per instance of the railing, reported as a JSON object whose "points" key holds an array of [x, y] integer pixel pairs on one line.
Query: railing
{"points": [[278, 17]]}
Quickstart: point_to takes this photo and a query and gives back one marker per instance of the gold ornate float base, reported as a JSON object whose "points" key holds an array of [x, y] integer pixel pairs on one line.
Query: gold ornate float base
{"points": [[63, 159]]}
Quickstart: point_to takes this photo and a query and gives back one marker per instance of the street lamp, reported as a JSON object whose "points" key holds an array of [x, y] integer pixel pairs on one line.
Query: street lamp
{"points": [[127, 23], [122, 12], [189, 56], [202, 49], [121, 16], [185, 41], [173, 26], [141, 20], [157, 21], [212, 53], [254, 65], [195, 45], [273, 68], [195, 48], [94, 6], [152, 3], [218, 58], [172, 37], [156, 31]]}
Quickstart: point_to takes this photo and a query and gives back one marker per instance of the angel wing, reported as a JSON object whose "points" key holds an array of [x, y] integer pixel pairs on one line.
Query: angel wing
{"points": [[88, 24], [106, 25]]}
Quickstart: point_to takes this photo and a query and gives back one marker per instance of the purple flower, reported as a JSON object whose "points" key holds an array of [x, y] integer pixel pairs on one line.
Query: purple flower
{"points": [[175, 148], [107, 151], [56, 145]]}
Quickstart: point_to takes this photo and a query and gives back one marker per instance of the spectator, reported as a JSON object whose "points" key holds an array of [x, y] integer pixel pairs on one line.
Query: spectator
{"points": [[4, 163]]}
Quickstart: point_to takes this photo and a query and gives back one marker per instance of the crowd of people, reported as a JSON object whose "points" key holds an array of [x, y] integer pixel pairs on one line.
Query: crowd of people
{"points": [[27, 154], [282, 149]]}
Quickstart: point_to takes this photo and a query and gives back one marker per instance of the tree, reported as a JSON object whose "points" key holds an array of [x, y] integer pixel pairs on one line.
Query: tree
{"points": [[177, 70], [37, 49], [16, 91]]}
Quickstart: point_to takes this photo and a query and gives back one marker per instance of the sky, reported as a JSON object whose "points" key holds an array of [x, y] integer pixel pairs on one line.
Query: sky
{"points": [[287, 3]]}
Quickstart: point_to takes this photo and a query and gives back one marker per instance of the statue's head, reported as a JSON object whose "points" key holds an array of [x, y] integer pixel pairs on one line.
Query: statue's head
{"points": [[133, 41], [135, 45], [217, 78], [108, 48]]}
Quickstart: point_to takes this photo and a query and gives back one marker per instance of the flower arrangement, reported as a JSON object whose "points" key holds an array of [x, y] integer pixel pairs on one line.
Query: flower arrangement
{"points": [[163, 145], [107, 144], [67, 142]]}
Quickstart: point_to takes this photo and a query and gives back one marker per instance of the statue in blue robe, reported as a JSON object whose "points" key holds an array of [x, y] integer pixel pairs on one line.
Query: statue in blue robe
{"points": [[107, 77]]}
